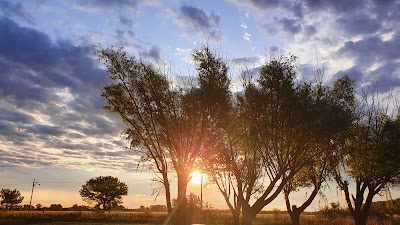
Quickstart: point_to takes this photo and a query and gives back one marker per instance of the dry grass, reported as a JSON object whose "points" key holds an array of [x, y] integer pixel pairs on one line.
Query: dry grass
{"points": [[212, 217]]}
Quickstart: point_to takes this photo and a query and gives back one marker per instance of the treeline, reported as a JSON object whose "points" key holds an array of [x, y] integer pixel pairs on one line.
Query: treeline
{"points": [[276, 136]]}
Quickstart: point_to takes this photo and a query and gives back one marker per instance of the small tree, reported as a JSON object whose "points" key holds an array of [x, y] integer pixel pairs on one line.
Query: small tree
{"points": [[56, 207], [39, 206], [11, 198], [104, 191]]}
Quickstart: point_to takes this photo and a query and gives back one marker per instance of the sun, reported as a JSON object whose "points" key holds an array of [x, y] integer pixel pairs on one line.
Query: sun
{"points": [[196, 177]]}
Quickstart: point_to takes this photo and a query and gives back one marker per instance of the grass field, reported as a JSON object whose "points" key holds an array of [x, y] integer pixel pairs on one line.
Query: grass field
{"points": [[149, 218]]}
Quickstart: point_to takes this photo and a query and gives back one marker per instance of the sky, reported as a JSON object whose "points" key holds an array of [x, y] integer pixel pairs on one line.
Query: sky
{"points": [[53, 128]]}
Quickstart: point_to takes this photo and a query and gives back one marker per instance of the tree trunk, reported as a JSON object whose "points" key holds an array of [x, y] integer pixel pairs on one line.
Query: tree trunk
{"points": [[360, 219], [248, 216], [180, 216], [295, 217], [236, 218], [167, 192]]}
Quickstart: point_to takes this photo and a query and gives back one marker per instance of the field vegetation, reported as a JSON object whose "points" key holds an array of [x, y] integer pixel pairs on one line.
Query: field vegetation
{"points": [[214, 217]]}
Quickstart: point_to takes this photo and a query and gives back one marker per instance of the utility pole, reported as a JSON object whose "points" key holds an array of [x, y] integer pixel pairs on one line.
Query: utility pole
{"points": [[201, 192], [34, 183]]}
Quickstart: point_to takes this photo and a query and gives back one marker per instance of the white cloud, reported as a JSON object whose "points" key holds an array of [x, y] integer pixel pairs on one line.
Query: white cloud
{"points": [[243, 25], [247, 36]]}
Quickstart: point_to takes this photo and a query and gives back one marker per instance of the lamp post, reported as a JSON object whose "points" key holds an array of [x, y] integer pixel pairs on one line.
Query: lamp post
{"points": [[34, 183]]}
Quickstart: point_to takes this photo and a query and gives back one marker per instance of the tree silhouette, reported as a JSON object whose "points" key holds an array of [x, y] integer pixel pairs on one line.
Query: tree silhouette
{"points": [[10, 198], [316, 173], [168, 125], [106, 192], [277, 129], [373, 156]]}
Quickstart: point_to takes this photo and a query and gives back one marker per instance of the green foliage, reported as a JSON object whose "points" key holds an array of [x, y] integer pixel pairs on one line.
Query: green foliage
{"points": [[106, 192], [56, 207], [170, 127], [372, 157], [333, 211], [382, 208], [10, 198]]}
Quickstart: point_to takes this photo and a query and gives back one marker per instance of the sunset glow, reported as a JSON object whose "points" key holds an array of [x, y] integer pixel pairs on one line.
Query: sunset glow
{"points": [[196, 177], [53, 126]]}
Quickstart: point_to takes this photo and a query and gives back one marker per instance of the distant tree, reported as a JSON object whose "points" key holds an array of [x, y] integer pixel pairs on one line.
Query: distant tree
{"points": [[158, 208], [373, 156], [10, 198], [383, 208], [77, 207], [119, 208], [106, 192], [56, 207], [39, 206], [28, 207], [333, 211]]}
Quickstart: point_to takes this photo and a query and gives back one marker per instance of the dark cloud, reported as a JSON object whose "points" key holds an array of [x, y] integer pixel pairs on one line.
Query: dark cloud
{"points": [[354, 73], [15, 11], [372, 49], [45, 130], [355, 24], [199, 20], [337, 6], [126, 21], [153, 54], [265, 4], [310, 30], [269, 29], [106, 4], [245, 60], [50, 99], [291, 26], [14, 115]]}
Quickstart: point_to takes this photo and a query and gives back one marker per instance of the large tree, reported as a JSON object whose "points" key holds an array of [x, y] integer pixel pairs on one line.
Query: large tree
{"points": [[106, 192], [168, 125], [10, 198], [275, 132], [338, 100], [373, 156]]}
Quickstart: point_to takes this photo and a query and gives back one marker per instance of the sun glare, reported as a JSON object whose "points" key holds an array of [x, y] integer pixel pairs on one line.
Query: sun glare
{"points": [[196, 177]]}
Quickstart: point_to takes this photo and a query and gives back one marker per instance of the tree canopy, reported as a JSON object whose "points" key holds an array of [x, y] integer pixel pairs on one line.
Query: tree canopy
{"points": [[277, 134], [372, 159], [106, 192], [10, 198], [167, 125]]}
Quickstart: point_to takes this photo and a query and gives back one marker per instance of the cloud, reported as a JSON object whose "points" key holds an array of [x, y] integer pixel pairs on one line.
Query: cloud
{"points": [[15, 11], [358, 24], [153, 53], [291, 26], [49, 102], [247, 36], [126, 21], [115, 4], [245, 60], [204, 24]]}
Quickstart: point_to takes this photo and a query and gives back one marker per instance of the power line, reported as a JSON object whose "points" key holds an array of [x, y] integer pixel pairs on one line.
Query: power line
{"points": [[3, 185]]}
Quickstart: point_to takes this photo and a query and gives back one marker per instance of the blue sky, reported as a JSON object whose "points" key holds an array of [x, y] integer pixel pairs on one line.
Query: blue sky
{"points": [[52, 127]]}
